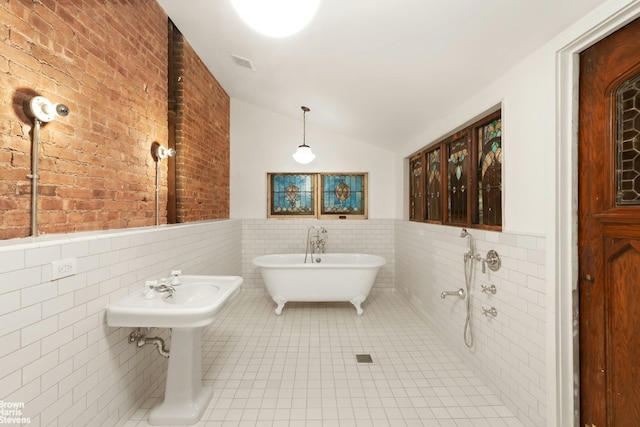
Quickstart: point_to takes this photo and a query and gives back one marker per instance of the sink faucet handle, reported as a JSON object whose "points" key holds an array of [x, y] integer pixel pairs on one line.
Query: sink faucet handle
{"points": [[175, 277], [150, 286]]}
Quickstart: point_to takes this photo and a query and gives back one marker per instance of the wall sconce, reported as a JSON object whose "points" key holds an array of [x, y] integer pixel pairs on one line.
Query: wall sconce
{"points": [[41, 110], [162, 153], [159, 153], [304, 154]]}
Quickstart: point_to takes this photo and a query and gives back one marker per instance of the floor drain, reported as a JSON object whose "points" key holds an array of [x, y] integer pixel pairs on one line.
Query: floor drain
{"points": [[364, 358]]}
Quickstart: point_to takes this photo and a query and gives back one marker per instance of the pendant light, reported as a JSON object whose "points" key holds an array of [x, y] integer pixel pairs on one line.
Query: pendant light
{"points": [[304, 154]]}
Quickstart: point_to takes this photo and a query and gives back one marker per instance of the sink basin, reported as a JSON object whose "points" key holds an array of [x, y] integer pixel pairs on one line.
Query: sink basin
{"points": [[195, 303], [192, 294]]}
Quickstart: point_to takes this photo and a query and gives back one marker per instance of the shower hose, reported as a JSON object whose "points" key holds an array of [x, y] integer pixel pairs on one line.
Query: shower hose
{"points": [[468, 279]]}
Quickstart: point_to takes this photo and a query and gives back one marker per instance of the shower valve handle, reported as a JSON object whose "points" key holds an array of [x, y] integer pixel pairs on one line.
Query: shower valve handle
{"points": [[489, 289], [490, 311], [492, 261]]}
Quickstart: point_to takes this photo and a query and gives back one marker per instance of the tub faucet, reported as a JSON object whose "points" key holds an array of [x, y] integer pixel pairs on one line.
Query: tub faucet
{"points": [[315, 243], [459, 292], [318, 245]]}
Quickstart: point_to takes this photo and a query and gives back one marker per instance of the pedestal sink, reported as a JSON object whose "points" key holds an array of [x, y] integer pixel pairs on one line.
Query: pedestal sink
{"points": [[194, 304]]}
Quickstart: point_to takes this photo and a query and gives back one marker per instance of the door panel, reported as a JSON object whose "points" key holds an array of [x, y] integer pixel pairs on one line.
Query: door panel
{"points": [[609, 230], [623, 331]]}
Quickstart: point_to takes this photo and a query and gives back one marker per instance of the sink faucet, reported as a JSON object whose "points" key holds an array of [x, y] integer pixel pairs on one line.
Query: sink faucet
{"points": [[166, 288], [162, 287]]}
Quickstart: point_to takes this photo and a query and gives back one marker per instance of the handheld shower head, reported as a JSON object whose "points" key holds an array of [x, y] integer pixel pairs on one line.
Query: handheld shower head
{"points": [[472, 243]]}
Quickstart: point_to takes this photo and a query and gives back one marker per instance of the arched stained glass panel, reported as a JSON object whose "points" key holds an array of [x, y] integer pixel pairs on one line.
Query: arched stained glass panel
{"points": [[416, 165], [490, 173], [457, 185], [628, 143], [434, 186]]}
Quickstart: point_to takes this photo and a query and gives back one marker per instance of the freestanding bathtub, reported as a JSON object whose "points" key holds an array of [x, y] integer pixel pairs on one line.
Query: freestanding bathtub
{"points": [[335, 277]]}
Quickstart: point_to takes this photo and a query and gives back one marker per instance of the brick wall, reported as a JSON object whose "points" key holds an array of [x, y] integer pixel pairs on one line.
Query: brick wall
{"points": [[202, 138], [108, 62]]}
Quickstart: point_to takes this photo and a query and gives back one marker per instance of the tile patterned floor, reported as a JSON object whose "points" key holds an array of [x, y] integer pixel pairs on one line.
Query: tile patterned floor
{"points": [[300, 369]]}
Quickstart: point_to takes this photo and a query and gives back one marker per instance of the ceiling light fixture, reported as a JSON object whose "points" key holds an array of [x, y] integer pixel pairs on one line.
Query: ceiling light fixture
{"points": [[303, 154], [276, 18]]}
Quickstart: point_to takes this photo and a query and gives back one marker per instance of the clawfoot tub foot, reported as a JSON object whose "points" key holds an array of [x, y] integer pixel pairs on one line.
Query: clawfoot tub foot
{"points": [[281, 302], [357, 301]]}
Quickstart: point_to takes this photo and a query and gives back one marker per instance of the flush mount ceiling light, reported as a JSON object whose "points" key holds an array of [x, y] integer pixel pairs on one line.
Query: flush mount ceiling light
{"points": [[303, 154], [276, 18]]}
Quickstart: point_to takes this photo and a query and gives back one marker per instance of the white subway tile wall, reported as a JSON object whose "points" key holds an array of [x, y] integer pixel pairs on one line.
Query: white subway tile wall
{"points": [[509, 354], [58, 357]]}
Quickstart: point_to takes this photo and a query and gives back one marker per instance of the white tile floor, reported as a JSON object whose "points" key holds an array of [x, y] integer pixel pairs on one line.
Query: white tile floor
{"points": [[300, 369]]}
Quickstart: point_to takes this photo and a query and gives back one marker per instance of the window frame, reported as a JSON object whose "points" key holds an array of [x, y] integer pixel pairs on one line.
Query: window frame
{"points": [[420, 213], [317, 193]]}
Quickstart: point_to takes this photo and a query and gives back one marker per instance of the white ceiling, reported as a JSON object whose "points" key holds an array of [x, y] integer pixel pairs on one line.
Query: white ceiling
{"points": [[374, 70]]}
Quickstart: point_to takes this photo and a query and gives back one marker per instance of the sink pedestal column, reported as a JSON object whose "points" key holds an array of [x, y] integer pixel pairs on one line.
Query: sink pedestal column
{"points": [[185, 399]]}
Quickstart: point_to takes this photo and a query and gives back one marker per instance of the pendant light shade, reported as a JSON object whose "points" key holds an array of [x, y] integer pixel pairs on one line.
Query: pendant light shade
{"points": [[304, 154], [276, 18]]}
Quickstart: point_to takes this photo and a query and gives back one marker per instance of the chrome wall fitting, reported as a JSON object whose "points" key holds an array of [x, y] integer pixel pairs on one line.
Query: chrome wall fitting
{"points": [[315, 243], [459, 292], [489, 289], [490, 311], [492, 261]]}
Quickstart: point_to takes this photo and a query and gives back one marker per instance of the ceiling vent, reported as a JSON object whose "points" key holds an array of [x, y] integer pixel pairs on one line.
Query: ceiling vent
{"points": [[242, 62]]}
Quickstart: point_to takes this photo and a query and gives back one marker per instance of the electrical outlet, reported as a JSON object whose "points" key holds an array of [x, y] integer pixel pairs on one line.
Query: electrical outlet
{"points": [[64, 268]]}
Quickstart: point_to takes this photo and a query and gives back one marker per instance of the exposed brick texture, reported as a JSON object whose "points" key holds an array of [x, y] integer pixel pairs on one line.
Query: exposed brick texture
{"points": [[108, 61], [202, 139]]}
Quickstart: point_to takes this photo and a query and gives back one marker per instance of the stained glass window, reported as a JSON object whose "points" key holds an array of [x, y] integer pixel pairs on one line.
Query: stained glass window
{"points": [[334, 195], [416, 164], [292, 195], [490, 173], [457, 183], [434, 186], [628, 143], [343, 195], [462, 176]]}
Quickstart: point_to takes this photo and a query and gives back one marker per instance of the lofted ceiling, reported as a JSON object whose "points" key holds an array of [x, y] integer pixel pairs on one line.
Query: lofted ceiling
{"points": [[374, 70]]}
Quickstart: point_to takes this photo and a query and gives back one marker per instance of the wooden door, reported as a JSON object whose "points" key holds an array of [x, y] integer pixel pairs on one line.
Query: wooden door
{"points": [[609, 230]]}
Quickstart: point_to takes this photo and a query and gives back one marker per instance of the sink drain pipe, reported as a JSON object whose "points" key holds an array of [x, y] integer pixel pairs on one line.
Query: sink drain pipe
{"points": [[141, 340]]}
